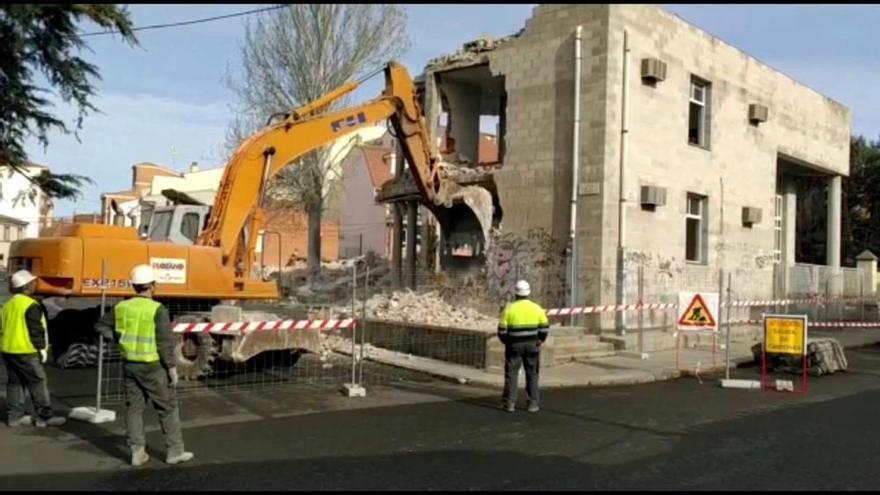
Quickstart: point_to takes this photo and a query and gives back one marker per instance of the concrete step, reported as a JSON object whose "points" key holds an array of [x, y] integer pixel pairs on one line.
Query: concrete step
{"points": [[555, 340], [568, 331], [652, 341], [571, 352]]}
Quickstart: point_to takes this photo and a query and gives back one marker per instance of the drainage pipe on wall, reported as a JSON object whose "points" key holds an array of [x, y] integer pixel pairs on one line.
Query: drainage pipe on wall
{"points": [[621, 206], [575, 165]]}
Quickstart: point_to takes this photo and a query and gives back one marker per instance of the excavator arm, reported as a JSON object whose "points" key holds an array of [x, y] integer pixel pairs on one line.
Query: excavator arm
{"points": [[239, 201]]}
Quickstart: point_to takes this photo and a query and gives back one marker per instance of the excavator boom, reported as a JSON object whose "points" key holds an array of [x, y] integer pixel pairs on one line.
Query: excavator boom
{"points": [[219, 263], [266, 153]]}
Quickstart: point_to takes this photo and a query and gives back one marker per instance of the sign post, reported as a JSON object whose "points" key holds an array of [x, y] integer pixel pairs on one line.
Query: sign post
{"points": [[697, 312], [786, 335]]}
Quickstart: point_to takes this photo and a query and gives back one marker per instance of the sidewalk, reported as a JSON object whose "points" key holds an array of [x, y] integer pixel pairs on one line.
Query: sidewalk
{"points": [[617, 370]]}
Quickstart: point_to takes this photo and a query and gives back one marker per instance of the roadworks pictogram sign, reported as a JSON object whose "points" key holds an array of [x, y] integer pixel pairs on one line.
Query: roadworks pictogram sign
{"points": [[697, 311]]}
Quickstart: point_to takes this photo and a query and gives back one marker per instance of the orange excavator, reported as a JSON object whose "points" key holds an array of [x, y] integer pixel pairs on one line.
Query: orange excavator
{"points": [[219, 264]]}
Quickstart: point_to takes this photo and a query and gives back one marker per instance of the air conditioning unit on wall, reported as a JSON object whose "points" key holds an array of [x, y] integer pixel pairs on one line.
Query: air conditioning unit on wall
{"points": [[751, 216], [758, 113], [653, 70], [653, 196]]}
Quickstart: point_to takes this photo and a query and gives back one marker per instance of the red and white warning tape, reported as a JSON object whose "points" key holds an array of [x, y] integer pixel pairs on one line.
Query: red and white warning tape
{"points": [[607, 309], [613, 308], [833, 324], [255, 326]]}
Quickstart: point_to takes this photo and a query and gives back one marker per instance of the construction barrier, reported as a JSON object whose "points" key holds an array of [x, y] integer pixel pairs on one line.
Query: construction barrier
{"points": [[243, 327], [235, 360], [613, 308]]}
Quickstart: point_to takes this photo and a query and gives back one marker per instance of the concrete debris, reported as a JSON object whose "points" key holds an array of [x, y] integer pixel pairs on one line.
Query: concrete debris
{"points": [[472, 51], [428, 308]]}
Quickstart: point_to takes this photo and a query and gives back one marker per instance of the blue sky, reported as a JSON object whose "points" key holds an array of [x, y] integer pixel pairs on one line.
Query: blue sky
{"points": [[169, 92]]}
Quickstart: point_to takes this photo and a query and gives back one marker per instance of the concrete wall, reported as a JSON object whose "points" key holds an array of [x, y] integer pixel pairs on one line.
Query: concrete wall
{"points": [[535, 182], [802, 123], [201, 180], [362, 219]]}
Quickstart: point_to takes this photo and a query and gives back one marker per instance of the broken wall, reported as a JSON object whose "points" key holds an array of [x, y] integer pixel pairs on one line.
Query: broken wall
{"points": [[534, 182]]}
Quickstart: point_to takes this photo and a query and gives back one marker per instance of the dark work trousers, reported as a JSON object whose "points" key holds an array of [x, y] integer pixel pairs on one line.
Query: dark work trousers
{"points": [[25, 371], [516, 354], [149, 381]]}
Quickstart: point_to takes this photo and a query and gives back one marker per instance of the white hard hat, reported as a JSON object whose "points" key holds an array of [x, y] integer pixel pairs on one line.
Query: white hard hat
{"points": [[522, 288], [142, 275], [21, 278]]}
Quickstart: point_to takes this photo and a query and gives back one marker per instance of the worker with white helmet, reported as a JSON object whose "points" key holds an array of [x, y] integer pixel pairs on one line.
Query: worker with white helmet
{"points": [[142, 327], [522, 327], [25, 347]]}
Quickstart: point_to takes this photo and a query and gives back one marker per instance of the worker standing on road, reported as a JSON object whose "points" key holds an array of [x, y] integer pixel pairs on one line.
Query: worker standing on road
{"points": [[25, 347], [143, 330], [522, 328]]}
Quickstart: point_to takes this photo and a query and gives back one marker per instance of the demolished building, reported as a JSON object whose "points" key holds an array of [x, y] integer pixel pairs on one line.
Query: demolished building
{"points": [[629, 138]]}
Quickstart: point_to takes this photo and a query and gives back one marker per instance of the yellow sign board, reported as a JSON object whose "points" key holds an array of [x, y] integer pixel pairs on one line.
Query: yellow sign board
{"points": [[785, 334]]}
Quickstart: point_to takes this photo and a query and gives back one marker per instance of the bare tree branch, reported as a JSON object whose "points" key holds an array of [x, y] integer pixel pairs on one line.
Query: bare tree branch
{"points": [[292, 57]]}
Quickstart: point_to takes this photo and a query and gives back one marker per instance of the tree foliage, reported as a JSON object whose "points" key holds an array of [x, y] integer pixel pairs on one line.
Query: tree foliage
{"points": [[292, 57], [860, 208], [43, 39]]}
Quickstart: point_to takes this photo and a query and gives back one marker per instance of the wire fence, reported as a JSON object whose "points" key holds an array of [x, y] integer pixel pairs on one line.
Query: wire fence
{"points": [[365, 323]]}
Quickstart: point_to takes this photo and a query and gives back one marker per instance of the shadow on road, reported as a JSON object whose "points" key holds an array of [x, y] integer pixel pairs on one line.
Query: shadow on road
{"points": [[458, 469]]}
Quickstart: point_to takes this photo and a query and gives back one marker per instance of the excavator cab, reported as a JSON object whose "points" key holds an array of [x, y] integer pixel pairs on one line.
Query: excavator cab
{"points": [[180, 224]]}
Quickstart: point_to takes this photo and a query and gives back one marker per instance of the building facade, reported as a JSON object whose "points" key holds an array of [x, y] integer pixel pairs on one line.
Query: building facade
{"points": [[22, 201], [683, 164]]}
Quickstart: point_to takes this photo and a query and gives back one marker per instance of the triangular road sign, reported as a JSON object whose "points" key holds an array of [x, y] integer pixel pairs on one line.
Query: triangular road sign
{"points": [[697, 314]]}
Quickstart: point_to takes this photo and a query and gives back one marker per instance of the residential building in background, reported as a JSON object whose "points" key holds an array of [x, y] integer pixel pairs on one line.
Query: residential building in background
{"points": [[21, 201], [11, 229]]}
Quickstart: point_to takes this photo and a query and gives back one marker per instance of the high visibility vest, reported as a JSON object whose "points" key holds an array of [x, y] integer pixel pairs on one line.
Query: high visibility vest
{"points": [[136, 327], [16, 338], [523, 319]]}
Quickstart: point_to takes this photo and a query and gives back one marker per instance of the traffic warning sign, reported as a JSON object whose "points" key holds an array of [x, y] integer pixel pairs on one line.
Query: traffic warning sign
{"points": [[697, 311]]}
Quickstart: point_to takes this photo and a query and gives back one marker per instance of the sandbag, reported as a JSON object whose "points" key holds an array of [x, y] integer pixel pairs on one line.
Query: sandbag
{"points": [[825, 355]]}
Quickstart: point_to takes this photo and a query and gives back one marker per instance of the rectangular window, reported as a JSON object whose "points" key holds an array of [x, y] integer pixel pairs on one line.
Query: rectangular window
{"points": [[698, 113], [695, 220], [21, 232], [777, 229], [6, 233], [189, 226]]}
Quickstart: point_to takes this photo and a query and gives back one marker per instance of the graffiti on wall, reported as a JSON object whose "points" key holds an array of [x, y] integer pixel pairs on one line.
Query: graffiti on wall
{"points": [[534, 256]]}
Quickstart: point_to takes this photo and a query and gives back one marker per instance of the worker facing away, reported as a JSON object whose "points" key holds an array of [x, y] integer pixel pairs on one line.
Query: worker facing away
{"points": [[142, 328], [522, 328], [25, 347]]}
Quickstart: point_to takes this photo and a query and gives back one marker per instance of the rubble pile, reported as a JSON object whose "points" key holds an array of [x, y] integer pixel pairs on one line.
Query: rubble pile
{"points": [[472, 51], [428, 308], [336, 281]]}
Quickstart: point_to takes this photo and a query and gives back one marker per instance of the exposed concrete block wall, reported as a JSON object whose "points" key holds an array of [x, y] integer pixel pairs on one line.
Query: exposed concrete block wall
{"points": [[802, 123], [535, 183]]}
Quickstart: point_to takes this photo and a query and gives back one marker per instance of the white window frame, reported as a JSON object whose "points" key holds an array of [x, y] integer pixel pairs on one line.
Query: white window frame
{"points": [[700, 217], [702, 137]]}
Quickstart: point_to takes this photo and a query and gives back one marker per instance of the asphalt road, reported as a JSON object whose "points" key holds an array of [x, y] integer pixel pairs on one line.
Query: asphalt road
{"points": [[683, 434]]}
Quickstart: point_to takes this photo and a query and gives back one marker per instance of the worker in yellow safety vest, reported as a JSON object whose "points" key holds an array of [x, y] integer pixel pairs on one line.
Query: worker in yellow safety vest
{"points": [[522, 328], [25, 348], [142, 328]]}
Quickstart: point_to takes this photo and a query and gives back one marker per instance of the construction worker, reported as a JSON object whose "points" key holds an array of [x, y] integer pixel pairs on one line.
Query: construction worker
{"points": [[25, 347], [143, 330], [522, 328]]}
